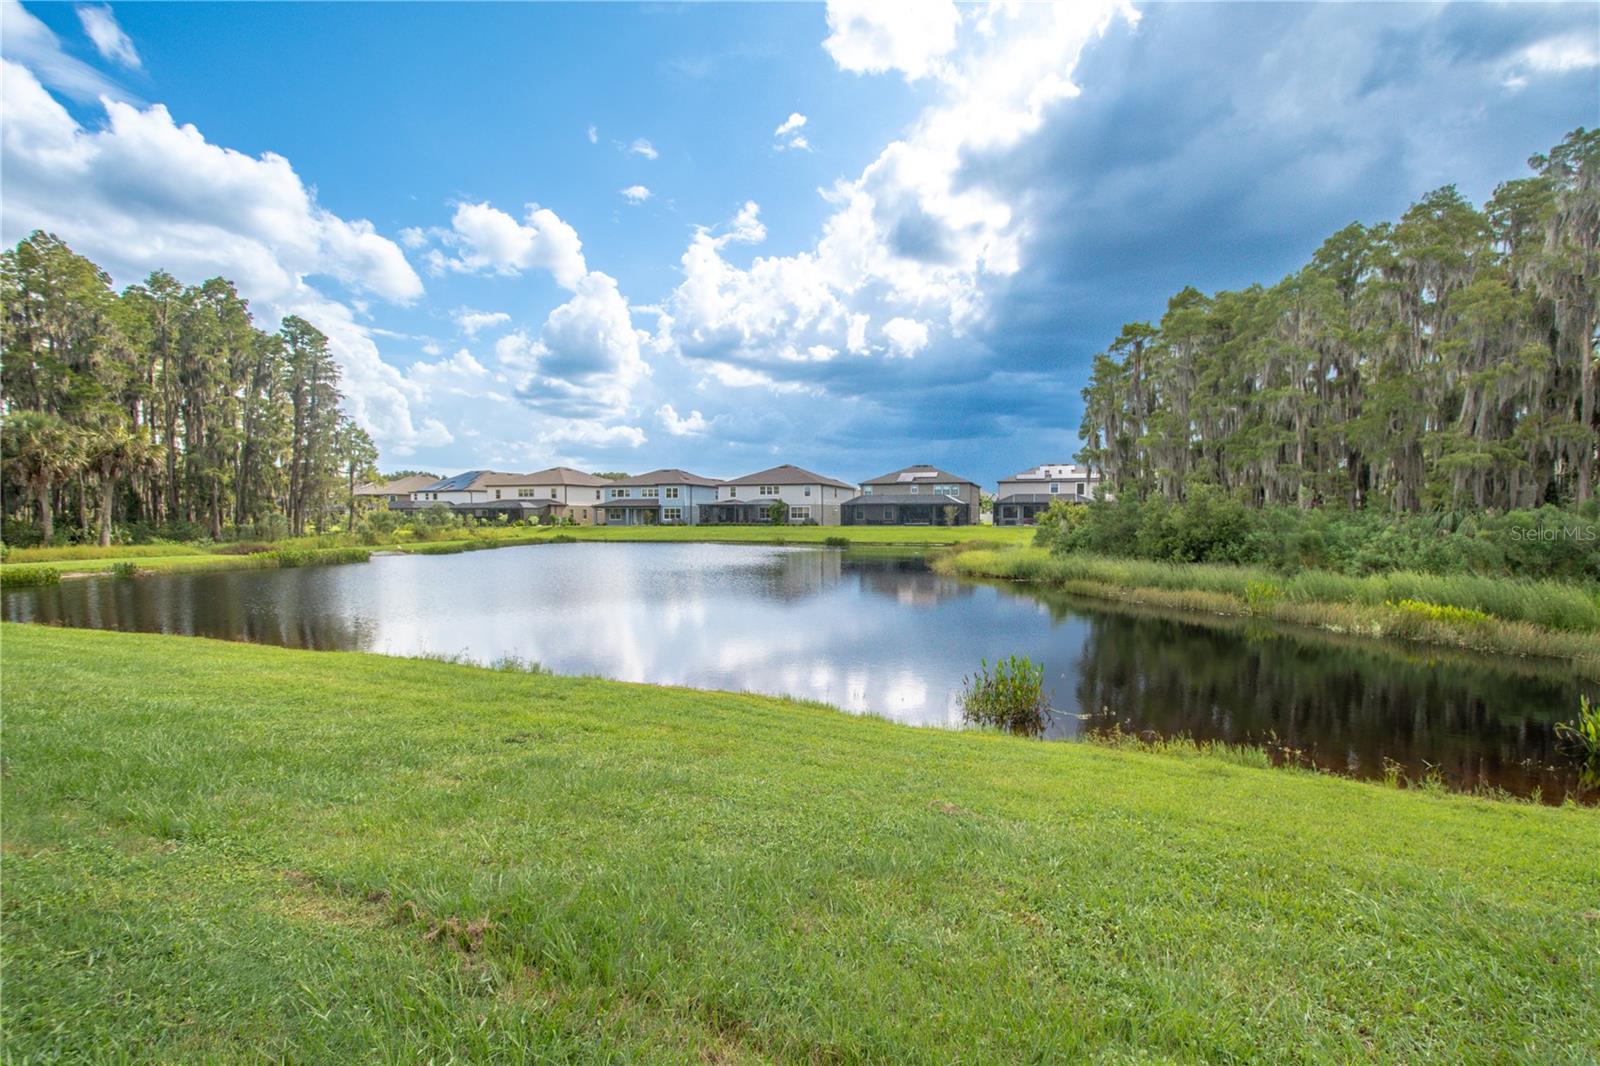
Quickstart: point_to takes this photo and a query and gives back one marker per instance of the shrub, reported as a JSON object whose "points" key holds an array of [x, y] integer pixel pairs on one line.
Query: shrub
{"points": [[1437, 612], [124, 570], [563, 538], [836, 542], [1010, 697], [20, 576]]}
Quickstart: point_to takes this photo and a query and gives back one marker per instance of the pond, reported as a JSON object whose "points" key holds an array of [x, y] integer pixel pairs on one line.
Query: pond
{"points": [[880, 634]]}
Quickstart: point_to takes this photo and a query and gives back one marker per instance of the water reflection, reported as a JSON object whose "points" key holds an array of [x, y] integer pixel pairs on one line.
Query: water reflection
{"points": [[871, 633]]}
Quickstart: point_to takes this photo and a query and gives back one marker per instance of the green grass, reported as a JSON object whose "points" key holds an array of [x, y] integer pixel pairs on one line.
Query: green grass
{"points": [[173, 558], [1503, 615], [222, 852]]}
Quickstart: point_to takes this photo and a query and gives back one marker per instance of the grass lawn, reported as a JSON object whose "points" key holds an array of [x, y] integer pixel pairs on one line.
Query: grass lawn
{"points": [[171, 558], [217, 851]]}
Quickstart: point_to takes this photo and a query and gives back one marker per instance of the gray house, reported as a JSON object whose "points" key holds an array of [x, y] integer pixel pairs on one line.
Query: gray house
{"points": [[1023, 497], [669, 497], [919, 495]]}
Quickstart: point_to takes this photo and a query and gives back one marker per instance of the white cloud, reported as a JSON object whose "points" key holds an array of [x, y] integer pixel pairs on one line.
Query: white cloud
{"points": [[1553, 55], [747, 227], [912, 241], [873, 36], [108, 37], [788, 133], [490, 239], [680, 426], [26, 40], [905, 336], [141, 193], [470, 322], [594, 134], [636, 194], [640, 146], [587, 357]]}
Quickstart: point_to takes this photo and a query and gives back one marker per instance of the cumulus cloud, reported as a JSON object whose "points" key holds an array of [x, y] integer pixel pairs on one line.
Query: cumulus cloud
{"points": [[905, 336], [680, 426], [636, 194], [642, 147], [470, 322], [873, 36], [913, 241], [488, 239], [108, 37], [587, 356], [789, 135], [594, 134]]}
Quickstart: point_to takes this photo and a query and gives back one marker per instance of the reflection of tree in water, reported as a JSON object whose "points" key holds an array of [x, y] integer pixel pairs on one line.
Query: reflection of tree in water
{"points": [[225, 607], [906, 580], [1347, 709]]}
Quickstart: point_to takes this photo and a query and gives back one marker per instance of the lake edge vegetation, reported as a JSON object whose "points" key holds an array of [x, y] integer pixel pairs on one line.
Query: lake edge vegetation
{"points": [[439, 842]]}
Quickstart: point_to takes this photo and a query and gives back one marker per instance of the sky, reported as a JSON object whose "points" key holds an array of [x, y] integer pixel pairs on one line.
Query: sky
{"points": [[726, 236]]}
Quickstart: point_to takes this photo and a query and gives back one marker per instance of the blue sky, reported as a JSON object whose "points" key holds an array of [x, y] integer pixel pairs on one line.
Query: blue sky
{"points": [[852, 236]]}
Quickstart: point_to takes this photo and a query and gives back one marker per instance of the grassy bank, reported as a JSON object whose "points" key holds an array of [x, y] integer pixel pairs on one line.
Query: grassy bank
{"points": [[172, 558], [1500, 615], [218, 851]]}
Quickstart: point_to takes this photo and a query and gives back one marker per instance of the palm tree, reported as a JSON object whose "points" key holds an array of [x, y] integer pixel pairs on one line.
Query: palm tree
{"points": [[113, 452], [41, 451]]}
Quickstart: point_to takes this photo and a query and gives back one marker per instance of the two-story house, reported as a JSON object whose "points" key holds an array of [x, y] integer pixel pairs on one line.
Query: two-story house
{"points": [[458, 489], [396, 492], [809, 498], [1023, 497], [919, 495], [552, 495], [668, 497]]}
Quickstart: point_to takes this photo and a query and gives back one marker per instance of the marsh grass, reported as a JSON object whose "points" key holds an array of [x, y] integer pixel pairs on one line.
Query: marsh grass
{"points": [[26, 576], [1539, 618]]}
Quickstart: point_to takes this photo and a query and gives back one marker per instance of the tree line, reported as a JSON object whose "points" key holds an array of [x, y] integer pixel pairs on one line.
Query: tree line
{"points": [[1443, 362], [163, 405]]}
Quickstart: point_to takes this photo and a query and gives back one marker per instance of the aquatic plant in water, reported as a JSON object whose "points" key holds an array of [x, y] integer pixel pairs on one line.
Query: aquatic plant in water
{"points": [[1010, 697]]}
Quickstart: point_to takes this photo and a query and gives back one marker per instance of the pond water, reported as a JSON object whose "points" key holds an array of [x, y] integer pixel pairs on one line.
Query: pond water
{"points": [[877, 634]]}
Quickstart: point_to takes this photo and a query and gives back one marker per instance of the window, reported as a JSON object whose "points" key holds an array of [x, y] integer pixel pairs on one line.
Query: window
{"points": [[672, 514], [808, 490], [650, 494], [915, 489], [672, 492], [888, 514], [946, 490], [524, 493], [799, 514], [1081, 487], [555, 494], [1054, 488], [616, 494], [866, 490], [497, 494], [768, 490], [597, 494]]}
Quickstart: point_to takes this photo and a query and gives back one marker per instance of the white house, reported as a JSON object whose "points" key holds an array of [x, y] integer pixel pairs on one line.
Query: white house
{"points": [[669, 497], [469, 487], [1023, 497], [811, 498]]}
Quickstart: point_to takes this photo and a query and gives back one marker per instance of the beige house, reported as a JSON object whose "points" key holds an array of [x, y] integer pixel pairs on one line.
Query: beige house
{"points": [[1023, 497], [556, 494], [811, 498], [395, 491]]}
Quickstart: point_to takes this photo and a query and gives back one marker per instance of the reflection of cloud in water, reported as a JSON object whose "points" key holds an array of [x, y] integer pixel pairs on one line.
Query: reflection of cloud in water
{"points": [[868, 633]]}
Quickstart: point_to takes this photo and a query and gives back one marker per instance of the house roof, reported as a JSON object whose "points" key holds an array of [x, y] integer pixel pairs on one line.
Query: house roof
{"points": [[458, 482], [669, 476], [905, 499], [1034, 497], [788, 474], [919, 474], [398, 486], [631, 503], [556, 475]]}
